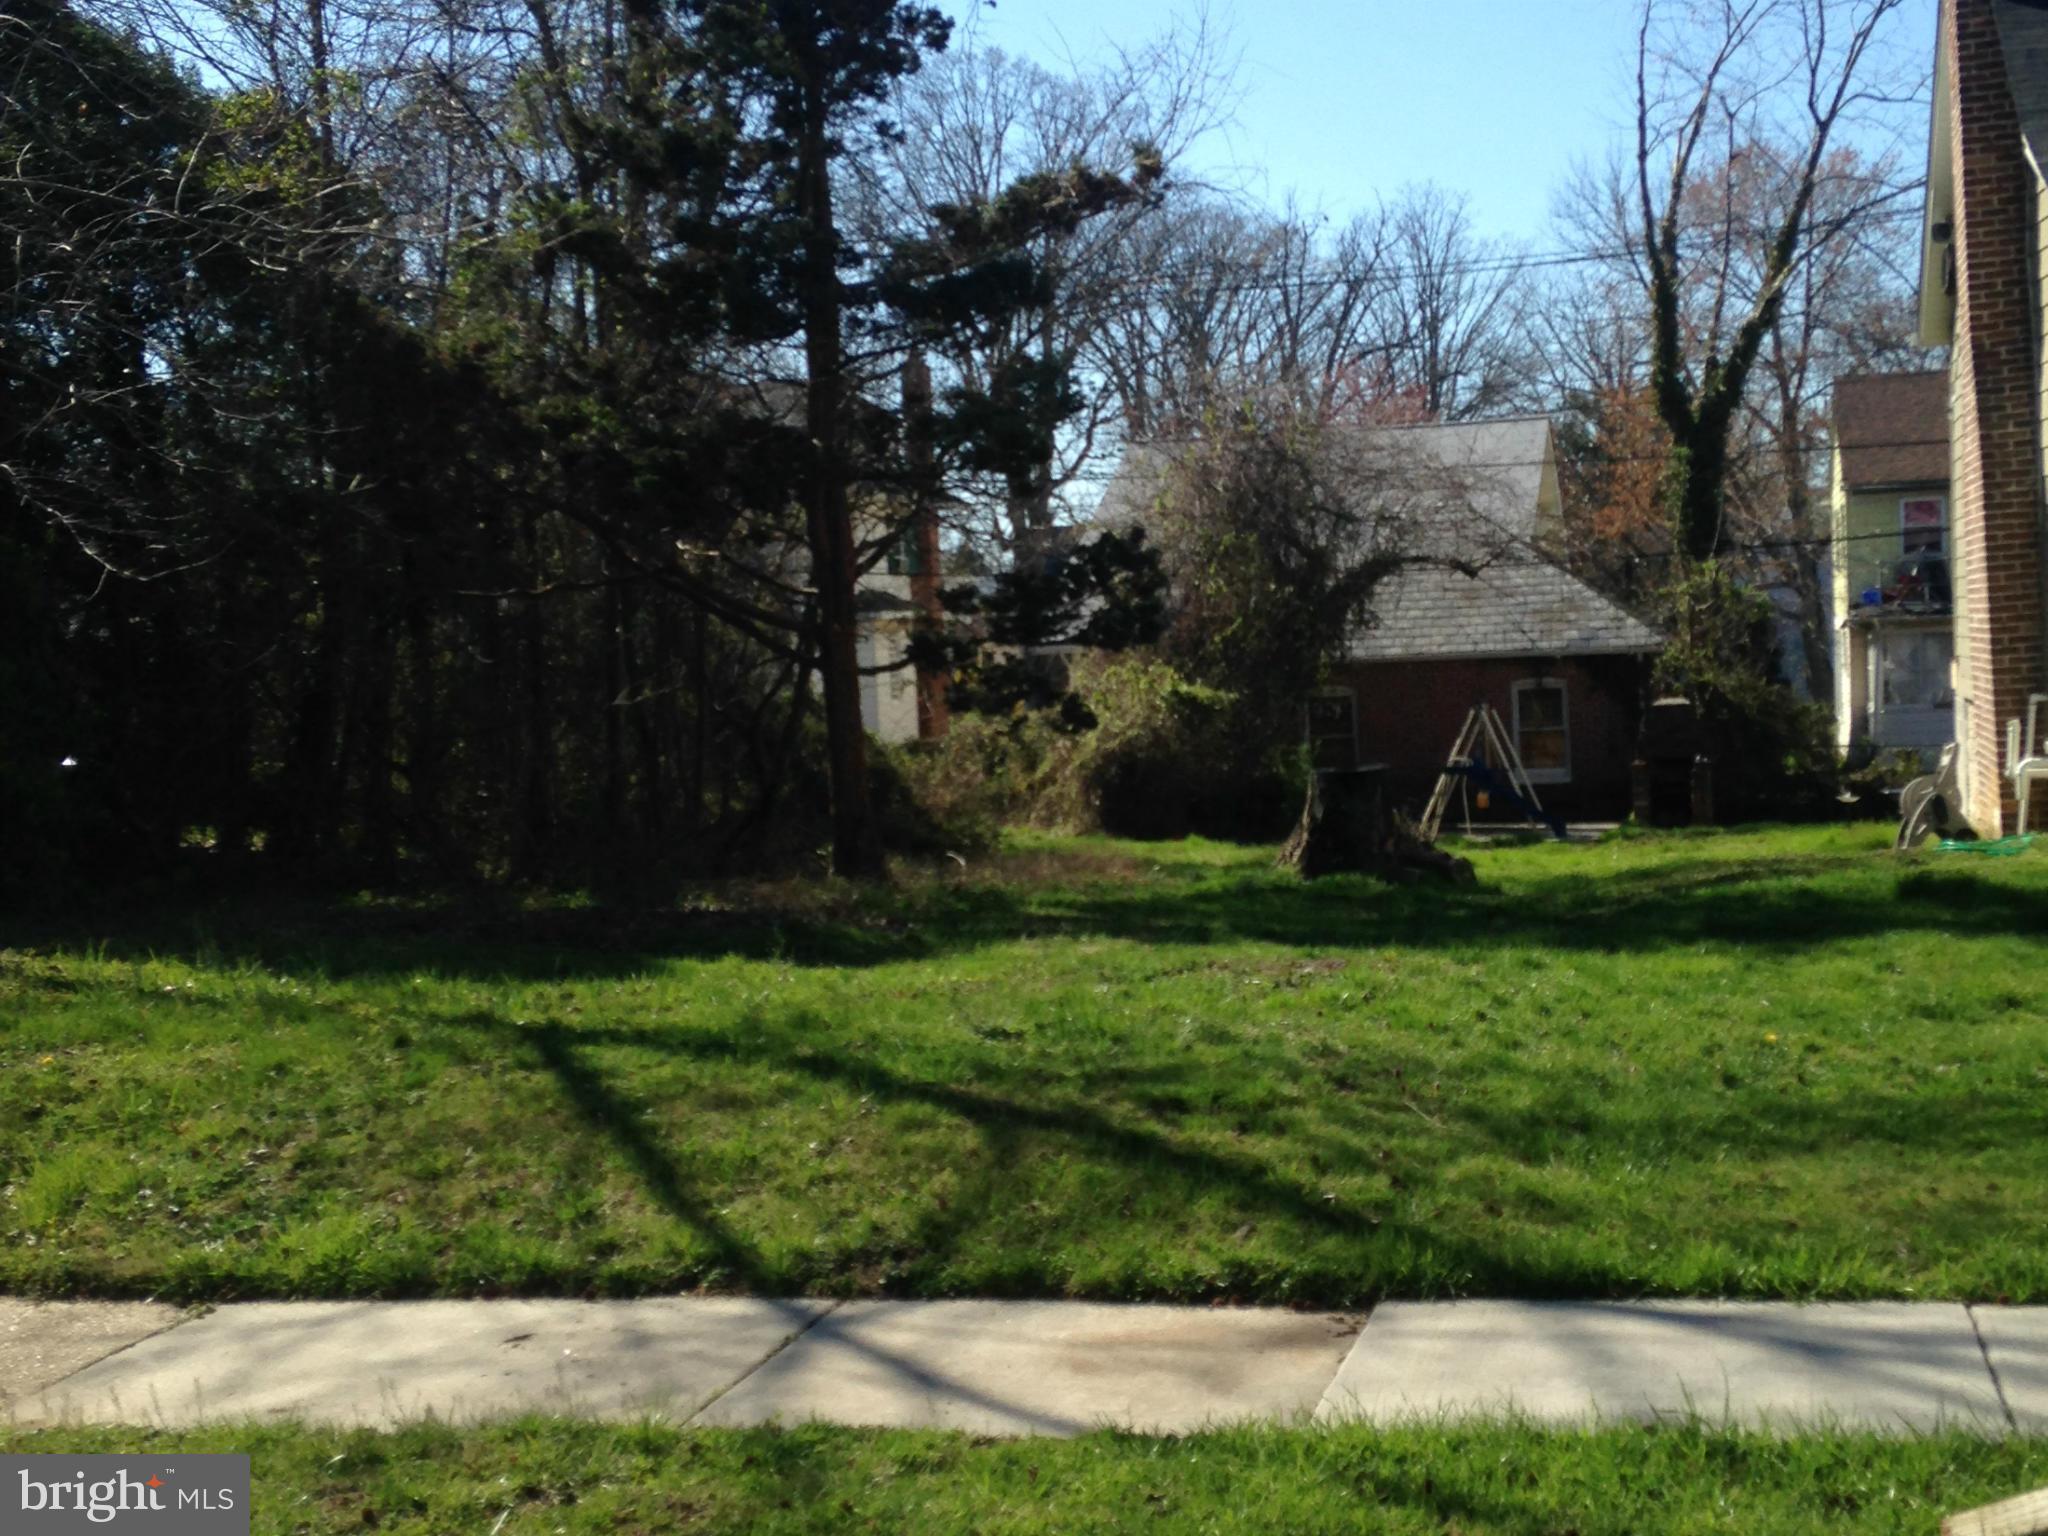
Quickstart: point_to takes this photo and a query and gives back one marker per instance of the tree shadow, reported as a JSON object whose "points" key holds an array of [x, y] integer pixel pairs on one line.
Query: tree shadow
{"points": [[997, 1118], [1138, 1139], [610, 1113], [1772, 909], [1772, 906]]}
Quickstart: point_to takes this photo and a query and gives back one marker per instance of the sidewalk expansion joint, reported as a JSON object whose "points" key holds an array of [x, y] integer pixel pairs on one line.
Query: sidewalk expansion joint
{"points": [[2004, 1406], [185, 1315], [1323, 1400], [749, 1373]]}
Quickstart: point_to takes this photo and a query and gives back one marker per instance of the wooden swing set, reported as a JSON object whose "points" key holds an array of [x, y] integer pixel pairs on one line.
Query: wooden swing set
{"points": [[1484, 758]]}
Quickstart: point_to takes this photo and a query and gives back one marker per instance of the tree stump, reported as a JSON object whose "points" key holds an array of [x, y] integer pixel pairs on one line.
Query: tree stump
{"points": [[1347, 827]]}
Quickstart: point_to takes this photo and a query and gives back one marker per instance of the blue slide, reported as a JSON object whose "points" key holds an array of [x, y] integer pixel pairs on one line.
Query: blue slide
{"points": [[1480, 776]]}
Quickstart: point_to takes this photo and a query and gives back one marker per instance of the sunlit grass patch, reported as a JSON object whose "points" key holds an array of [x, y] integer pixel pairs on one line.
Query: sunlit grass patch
{"points": [[548, 1476], [1773, 1062]]}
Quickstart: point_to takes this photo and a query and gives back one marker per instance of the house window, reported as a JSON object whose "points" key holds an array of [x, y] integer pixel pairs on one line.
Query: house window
{"points": [[1921, 520], [904, 558], [1913, 671], [1333, 728], [1543, 730]]}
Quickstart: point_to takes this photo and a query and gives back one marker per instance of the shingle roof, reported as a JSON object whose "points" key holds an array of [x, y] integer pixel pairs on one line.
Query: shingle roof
{"points": [[1472, 493], [1892, 428], [1455, 472], [1521, 606], [1493, 467]]}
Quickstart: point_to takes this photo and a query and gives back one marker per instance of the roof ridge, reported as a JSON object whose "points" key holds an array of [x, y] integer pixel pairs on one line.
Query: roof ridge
{"points": [[1471, 421], [1891, 373]]}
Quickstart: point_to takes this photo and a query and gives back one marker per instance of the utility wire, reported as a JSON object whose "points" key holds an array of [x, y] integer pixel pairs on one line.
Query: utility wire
{"points": [[1455, 466], [1827, 540], [1324, 273]]}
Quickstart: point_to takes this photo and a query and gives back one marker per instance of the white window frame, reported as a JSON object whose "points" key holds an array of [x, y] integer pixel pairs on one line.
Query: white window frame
{"points": [[1529, 685], [1882, 652], [1941, 528], [1333, 691]]}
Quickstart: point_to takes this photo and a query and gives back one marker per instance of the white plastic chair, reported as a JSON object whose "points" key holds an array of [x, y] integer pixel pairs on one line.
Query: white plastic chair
{"points": [[2025, 763]]}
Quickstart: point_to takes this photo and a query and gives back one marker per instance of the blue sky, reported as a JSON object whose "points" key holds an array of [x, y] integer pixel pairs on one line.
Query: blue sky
{"points": [[1343, 101]]}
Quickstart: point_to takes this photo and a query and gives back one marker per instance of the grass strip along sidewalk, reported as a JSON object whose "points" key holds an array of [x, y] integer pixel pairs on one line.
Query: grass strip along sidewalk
{"points": [[1777, 1063], [550, 1478]]}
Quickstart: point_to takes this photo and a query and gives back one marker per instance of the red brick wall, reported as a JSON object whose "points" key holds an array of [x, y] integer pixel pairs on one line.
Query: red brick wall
{"points": [[1409, 713], [1992, 382]]}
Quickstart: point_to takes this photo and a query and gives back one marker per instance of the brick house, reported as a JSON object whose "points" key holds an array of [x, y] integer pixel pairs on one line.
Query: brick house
{"points": [[1982, 294], [1565, 666]]}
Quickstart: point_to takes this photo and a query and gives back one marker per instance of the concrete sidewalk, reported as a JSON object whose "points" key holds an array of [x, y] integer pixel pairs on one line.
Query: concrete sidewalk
{"points": [[1026, 1367]]}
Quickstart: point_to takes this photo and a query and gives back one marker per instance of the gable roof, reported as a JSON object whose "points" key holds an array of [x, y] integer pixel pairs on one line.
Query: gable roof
{"points": [[1475, 494], [2022, 31], [1522, 606], [1892, 429], [1474, 481], [1493, 468]]}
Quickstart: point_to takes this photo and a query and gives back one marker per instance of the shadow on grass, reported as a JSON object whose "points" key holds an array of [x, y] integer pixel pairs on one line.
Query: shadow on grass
{"points": [[1165, 1130], [1359, 1256], [612, 1113], [609, 1112], [1768, 904]]}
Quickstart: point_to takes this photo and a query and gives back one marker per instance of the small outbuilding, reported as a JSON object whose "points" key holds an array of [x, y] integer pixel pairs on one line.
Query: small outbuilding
{"points": [[1491, 616]]}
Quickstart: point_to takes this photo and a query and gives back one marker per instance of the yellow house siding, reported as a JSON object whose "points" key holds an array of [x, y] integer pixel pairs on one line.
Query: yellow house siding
{"points": [[1874, 541]]}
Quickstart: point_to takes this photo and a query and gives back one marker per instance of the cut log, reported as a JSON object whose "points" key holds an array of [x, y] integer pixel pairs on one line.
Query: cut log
{"points": [[1347, 827], [2026, 1515]]}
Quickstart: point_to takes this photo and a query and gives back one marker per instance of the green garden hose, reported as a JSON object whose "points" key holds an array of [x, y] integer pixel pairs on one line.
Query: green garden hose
{"points": [[2002, 848]]}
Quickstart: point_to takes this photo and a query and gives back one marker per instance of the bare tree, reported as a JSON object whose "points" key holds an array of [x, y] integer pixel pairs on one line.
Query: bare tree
{"points": [[1239, 303], [1842, 306], [1713, 77], [1847, 308], [1400, 314], [1460, 302], [1194, 315], [977, 120]]}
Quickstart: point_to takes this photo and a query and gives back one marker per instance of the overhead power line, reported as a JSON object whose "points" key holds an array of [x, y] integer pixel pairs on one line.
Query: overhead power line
{"points": [[1814, 541], [1262, 277], [1481, 464]]}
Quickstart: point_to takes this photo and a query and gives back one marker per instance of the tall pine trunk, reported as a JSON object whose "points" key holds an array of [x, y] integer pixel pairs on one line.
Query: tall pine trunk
{"points": [[426, 747], [379, 728], [856, 840]]}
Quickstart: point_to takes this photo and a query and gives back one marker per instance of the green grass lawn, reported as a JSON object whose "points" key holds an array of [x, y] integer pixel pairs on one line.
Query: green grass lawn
{"points": [[1774, 1063], [549, 1478]]}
